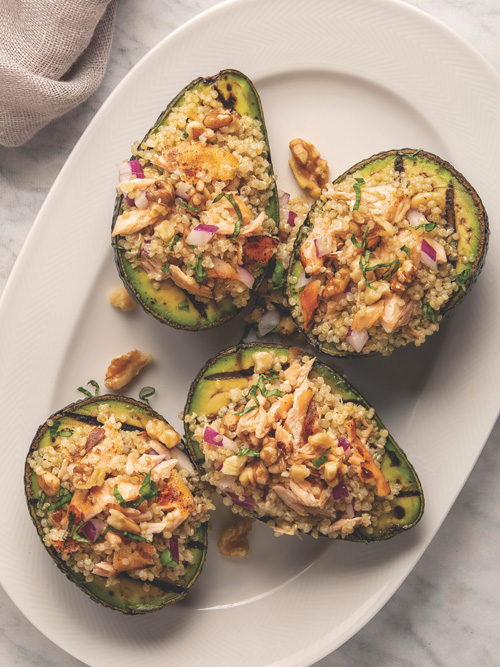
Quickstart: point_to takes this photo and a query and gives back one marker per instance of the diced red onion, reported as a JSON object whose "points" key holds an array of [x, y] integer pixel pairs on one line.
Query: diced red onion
{"points": [[246, 502], [320, 247], [216, 439], [268, 322], [201, 234], [357, 339], [344, 443], [92, 529], [183, 460], [415, 218], [219, 466], [183, 191], [428, 255], [128, 169], [340, 491], [145, 249], [129, 201], [302, 280], [291, 218], [174, 548], [349, 510], [141, 201], [245, 276], [284, 199]]}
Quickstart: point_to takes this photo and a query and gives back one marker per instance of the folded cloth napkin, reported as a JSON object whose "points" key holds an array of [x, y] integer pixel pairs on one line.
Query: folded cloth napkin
{"points": [[53, 55]]}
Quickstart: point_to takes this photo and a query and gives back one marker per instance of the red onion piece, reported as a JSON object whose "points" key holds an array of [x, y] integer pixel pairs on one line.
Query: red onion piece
{"points": [[92, 529], [129, 201], [201, 234], [428, 255], [291, 218], [268, 322], [340, 491], [357, 339], [213, 437], [183, 191], [344, 443], [183, 460], [246, 502], [284, 199], [145, 249], [141, 201], [349, 510], [245, 276], [136, 168], [174, 548], [219, 466], [415, 218]]}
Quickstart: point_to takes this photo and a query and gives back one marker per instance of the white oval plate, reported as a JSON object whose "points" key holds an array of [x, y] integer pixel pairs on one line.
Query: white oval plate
{"points": [[353, 77]]}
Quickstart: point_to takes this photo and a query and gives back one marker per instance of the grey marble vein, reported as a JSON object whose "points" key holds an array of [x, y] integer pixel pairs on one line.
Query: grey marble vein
{"points": [[447, 612]]}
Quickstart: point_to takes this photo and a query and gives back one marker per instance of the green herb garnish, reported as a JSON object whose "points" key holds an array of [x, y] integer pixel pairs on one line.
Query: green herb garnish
{"points": [[278, 277], [248, 452], [200, 272], [65, 433], [138, 256], [317, 463], [193, 209], [267, 392], [428, 226], [117, 247], [463, 277], [166, 559], [76, 536], [165, 269], [55, 425], [407, 250], [183, 305], [41, 500], [360, 244], [69, 530], [125, 533], [253, 393], [86, 392], [357, 190], [64, 497], [185, 134], [149, 488], [239, 222], [391, 267], [428, 312], [145, 393], [173, 240]]}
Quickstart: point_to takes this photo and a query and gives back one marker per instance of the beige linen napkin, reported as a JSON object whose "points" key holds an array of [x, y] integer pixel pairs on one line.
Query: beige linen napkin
{"points": [[53, 55]]}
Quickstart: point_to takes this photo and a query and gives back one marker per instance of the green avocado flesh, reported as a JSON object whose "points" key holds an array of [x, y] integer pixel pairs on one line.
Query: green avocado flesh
{"points": [[171, 304], [128, 594], [464, 212], [233, 368]]}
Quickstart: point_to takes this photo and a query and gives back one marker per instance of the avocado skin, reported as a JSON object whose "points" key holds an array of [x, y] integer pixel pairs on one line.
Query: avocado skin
{"points": [[237, 92], [128, 596], [404, 158], [406, 509]]}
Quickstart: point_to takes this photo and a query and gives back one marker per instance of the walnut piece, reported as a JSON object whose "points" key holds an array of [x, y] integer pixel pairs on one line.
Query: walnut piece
{"points": [[120, 298], [234, 540], [219, 118], [49, 483], [125, 367], [310, 171], [163, 432], [162, 192]]}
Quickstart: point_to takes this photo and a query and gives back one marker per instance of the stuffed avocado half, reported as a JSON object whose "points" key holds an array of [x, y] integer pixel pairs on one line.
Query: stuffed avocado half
{"points": [[388, 249], [286, 439], [196, 216], [117, 503]]}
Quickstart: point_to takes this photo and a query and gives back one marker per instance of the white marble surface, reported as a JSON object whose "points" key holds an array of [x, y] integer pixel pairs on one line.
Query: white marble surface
{"points": [[447, 613]]}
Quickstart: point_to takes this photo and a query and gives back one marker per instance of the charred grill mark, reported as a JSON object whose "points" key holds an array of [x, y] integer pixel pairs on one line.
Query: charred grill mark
{"points": [[399, 164], [194, 544], [395, 460], [199, 307], [399, 512], [89, 419], [231, 375], [228, 102], [408, 494], [449, 211], [165, 586]]}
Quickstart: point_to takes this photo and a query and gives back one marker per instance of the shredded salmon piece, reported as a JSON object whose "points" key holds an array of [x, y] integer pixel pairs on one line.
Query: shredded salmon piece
{"points": [[370, 472], [309, 302]]}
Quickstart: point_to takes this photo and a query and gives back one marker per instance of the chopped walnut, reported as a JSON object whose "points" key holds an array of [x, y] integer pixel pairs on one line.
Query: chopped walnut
{"points": [[49, 483], [125, 367], [254, 474], [120, 298], [163, 432], [219, 118], [119, 521], [234, 540], [162, 192], [308, 168], [403, 276]]}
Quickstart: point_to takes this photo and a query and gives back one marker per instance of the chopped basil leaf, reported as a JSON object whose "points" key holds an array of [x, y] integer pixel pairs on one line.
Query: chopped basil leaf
{"points": [[76, 536], [267, 392], [41, 500], [138, 256], [183, 305], [200, 272], [145, 393], [407, 250], [360, 244], [253, 393], [69, 530], [193, 209], [391, 267], [248, 452], [65, 433], [95, 385], [357, 190], [166, 559], [185, 134], [85, 392], [173, 240], [278, 277], [117, 247], [65, 498], [244, 412], [165, 269], [120, 499], [463, 277], [148, 489], [238, 223], [428, 226], [317, 463], [428, 312], [272, 373], [131, 536]]}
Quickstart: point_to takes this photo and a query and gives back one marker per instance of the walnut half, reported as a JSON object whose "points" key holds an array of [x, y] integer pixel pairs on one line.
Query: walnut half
{"points": [[125, 367], [310, 171]]}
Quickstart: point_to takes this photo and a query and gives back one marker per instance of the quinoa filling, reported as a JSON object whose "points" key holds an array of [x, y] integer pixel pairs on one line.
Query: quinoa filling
{"points": [[196, 193], [115, 500], [287, 448], [378, 263]]}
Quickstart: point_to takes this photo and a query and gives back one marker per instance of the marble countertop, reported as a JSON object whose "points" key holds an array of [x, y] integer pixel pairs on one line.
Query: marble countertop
{"points": [[447, 612]]}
